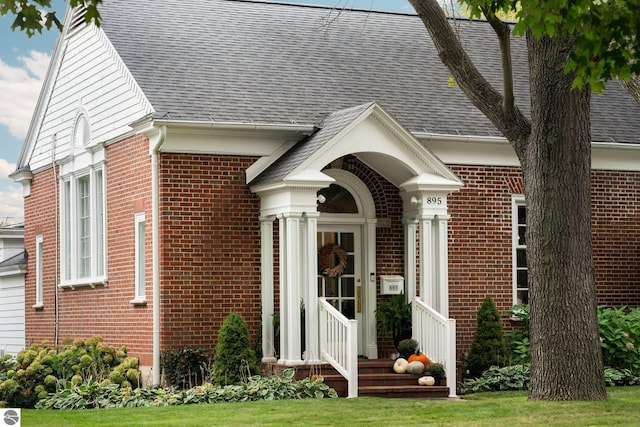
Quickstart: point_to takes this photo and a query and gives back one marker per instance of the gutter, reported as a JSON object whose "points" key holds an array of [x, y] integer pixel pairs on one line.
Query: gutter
{"points": [[246, 126], [428, 136]]}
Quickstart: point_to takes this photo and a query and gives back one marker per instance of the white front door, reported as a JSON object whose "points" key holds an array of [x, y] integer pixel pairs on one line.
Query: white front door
{"points": [[340, 272]]}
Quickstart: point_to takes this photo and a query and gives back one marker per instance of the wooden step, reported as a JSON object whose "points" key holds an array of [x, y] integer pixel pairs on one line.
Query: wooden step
{"points": [[376, 379], [405, 391]]}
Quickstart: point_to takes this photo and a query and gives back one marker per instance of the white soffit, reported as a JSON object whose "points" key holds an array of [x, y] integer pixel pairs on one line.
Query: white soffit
{"points": [[496, 151]]}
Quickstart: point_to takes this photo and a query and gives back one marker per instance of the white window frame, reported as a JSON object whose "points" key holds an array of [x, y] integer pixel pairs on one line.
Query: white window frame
{"points": [[517, 201], [39, 271], [74, 273], [140, 285]]}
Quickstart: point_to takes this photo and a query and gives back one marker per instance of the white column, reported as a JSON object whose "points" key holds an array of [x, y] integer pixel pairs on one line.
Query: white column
{"points": [[427, 261], [266, 264], [290, 279], [410, 256], [369, 291], [311, 289], [442, 301]]}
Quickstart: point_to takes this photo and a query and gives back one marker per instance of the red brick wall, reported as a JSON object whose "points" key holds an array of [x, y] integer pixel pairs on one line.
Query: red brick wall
{"points": [[480, 259], [103, 310], [40, 218], [616, 236], [210, 247]]}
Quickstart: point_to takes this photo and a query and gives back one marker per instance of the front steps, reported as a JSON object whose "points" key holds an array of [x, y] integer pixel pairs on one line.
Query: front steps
{"points": [[376, 379]]}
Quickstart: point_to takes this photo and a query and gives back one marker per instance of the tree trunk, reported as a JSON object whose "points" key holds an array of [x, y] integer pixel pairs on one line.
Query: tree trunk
{"points": [[554, 149], [566, 358]]}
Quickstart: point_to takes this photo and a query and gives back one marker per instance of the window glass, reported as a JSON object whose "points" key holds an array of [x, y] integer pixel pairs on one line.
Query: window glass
{"points": [[140, 273], [520, 277], [337, 200], [83, 228], [39, 269]]}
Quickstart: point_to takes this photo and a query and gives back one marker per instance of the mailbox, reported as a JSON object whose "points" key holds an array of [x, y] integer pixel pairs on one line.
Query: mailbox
{"points": [[390, 285]]}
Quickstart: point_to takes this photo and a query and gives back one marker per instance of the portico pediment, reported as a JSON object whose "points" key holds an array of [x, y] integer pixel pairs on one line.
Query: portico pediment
{"points": [[372, 135]]}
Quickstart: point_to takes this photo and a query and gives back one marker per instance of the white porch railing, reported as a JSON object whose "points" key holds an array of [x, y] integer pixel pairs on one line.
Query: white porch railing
{"points": [[339, 344], [437, 337]]}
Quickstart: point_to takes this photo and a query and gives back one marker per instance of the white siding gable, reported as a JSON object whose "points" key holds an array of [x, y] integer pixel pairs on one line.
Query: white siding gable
{"points": [[92, 79]]}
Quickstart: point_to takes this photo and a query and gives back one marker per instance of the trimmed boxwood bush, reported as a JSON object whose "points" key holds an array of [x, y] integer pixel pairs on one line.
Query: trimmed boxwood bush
{"points": [[487, 347], [234, 358]]}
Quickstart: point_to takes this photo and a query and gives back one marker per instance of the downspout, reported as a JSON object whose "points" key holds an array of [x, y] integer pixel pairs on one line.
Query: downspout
{"points": [[156, 139], [56, 304]]}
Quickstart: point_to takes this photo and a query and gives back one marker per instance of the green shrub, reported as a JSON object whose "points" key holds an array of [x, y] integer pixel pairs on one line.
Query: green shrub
{"points": [[407, 347], [620, 338], [94, 395], [234, 358], [517, 340], [42, 368], [516, 377], [621, 377], [185, 368], [487, 347]]}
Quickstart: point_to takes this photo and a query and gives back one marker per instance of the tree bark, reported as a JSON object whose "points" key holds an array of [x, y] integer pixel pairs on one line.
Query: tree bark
{"points": [[566, 358], [633, 87], [554, 149]]}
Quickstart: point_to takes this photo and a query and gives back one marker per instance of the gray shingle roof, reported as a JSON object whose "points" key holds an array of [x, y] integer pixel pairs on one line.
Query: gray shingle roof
{"points": [[329, 128], [245, 61], [18, 259]]}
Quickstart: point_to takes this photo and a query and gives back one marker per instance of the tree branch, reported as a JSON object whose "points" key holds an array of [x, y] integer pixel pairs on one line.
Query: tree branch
{"points": [[510, 121], [503, 32], [633, 87]]}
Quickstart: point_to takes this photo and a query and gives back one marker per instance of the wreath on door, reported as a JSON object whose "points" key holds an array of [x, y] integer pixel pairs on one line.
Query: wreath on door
{"points": [[328, 254]]}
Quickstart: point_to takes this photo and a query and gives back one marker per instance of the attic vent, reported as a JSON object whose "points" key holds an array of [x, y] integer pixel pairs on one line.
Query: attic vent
{"points": [[77, 19]]}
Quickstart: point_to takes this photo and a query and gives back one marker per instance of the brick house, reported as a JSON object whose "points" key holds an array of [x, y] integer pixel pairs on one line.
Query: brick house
{"points": [[251, 156]]}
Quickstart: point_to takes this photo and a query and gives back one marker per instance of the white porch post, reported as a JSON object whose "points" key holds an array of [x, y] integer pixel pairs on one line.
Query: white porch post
{"points": [[311, 289], [442, 302], [266, 261], [410, 257], [427, 261], [290, 289]]}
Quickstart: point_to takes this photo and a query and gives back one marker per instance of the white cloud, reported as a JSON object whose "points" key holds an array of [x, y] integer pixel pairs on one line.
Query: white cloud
{"points": [[12, 204], [6, 168], [19, 90]]}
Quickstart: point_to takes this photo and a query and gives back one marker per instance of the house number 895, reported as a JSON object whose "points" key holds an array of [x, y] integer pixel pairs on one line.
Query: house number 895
{"points": [[433, 200]]}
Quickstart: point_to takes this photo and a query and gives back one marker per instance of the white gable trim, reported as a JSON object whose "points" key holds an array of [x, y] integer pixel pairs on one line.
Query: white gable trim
{"points": [[374, 133], [85, 70]]}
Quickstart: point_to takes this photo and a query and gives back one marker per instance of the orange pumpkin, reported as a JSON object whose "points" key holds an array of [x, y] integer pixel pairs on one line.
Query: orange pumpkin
{"points": [[420, 357]]}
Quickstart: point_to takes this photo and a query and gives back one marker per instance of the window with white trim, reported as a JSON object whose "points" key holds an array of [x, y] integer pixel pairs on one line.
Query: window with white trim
{"points": [[140, 264], [83, 229], [39, 270], [520, 271], [82, 209]]}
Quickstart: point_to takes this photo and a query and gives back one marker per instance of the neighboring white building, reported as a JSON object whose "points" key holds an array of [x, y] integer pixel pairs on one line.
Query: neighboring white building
{"points": [[13, 266]]}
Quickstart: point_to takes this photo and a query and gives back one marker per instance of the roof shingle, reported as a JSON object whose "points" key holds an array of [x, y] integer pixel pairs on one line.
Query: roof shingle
{"points": [[249, 61]]}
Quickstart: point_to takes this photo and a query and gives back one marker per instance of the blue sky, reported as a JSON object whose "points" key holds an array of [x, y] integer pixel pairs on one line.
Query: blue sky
{"points": [[23, 65]]}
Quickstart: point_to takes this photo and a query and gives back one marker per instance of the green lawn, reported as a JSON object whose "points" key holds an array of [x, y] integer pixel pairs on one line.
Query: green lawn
{"points": [[486, 409]]}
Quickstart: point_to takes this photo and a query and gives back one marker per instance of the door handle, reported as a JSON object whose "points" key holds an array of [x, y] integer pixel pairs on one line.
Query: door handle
{"points": [[359, 299]]}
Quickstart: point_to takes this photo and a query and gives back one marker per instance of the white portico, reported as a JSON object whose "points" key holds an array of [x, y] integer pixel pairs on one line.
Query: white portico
{"points": [[288, 186]]}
